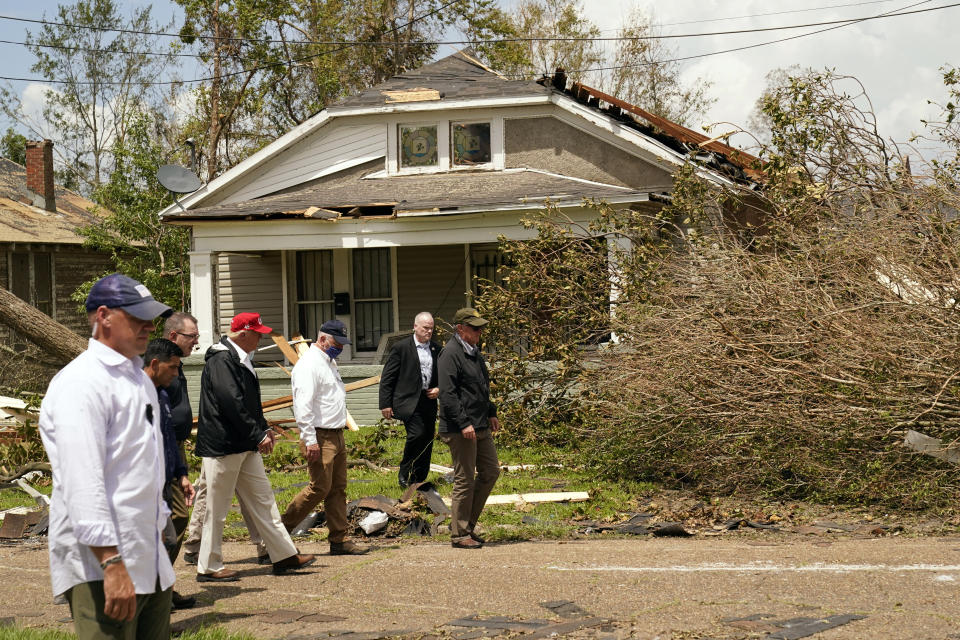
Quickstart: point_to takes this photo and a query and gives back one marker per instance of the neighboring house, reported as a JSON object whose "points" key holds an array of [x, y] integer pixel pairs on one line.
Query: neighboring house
{"points": [[42, 259], [391, 201]]}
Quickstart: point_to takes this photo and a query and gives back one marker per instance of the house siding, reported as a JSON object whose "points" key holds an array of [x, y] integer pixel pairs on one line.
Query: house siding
{"points": [[363, 404], [430, 279], [72, 267], [328, 150], [251, 282], [549, 144]]}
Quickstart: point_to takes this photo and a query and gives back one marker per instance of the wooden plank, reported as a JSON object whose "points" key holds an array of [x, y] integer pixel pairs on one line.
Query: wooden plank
{"points": [[931, 447], [417, 94], [533, 498], [285, 402], [285, 347]]}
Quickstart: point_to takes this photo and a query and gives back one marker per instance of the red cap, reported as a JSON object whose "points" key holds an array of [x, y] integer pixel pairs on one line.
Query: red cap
{"points": [[249, 322]]}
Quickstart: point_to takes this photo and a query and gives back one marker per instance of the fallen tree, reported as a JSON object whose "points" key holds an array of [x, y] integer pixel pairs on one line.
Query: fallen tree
{"points": [[784, 359], [62, 344]]}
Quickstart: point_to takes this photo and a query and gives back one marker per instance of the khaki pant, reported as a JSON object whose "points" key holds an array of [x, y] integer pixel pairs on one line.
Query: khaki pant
{"points": [[328, 482], [475, 471], [151, 622], [243, 473], [195, 529]]}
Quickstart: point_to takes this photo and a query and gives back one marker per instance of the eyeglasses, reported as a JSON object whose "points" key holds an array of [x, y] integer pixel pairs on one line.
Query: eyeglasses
{"points": [[192, 336]]}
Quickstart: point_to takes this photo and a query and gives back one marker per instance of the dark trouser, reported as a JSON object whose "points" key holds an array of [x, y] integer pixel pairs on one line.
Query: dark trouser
{"points": [[475, 471], [328, 482], [151, 621], [420, 427], [179, 513]]}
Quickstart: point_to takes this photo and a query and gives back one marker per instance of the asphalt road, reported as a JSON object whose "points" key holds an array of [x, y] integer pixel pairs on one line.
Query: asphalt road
{"points": [[893, 587]]}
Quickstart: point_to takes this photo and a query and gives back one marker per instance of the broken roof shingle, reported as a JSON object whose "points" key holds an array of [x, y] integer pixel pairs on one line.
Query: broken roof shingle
{"points": [[396, 195]]}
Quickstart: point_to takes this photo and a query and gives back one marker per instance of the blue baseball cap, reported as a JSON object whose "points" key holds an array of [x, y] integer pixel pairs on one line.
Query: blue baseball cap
{"points": [[117, 291], [337, 330]]}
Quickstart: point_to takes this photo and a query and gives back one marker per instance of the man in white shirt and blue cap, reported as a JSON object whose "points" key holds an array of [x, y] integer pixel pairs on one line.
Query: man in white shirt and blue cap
{"points": [[100, 425]]}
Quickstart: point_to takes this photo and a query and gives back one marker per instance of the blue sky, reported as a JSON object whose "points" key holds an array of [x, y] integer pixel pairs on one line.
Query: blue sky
{"points": [[897, 59]]}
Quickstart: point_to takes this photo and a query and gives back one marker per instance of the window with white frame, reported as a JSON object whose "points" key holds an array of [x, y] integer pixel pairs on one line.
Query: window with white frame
{"points": [[470, 144], [373, 297], [314, 290], [418, 146]]}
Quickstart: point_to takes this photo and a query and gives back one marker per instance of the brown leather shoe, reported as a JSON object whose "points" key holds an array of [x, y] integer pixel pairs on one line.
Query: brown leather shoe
{"points": [[466, 543], [477, 538], [224, 575], [347, 548], [294, 562]]}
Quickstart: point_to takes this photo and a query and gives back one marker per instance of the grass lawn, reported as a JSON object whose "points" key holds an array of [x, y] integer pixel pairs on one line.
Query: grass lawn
{"points": [[501, 522]]}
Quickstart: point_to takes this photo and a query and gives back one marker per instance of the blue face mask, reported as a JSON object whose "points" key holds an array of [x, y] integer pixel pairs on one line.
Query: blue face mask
{"points": [[333, 352]]}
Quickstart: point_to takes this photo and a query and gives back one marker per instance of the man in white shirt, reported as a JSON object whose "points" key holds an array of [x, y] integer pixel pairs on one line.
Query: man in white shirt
{"points": [[320, 407], [100, 425]]}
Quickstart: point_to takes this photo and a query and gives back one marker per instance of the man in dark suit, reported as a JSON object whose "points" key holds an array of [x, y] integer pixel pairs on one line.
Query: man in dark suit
{"points": [[408, 392]]}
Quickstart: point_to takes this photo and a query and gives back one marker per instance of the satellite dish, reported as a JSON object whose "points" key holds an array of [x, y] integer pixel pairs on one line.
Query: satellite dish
{"points": [[178, 179]]}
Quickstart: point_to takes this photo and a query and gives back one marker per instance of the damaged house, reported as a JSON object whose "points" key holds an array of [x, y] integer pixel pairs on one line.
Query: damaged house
{"points": [[390, 202], [42, 259]]}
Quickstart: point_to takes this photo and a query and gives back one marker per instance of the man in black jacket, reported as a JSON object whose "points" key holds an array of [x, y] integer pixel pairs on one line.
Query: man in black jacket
{"points": [[408, 392], [468, 420], [231, 435]]}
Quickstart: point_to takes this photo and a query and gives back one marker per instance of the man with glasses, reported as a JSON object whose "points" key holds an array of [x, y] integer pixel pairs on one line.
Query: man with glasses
{"points": [[99, 422], [320, 407], [181, 329], [467, 421]]}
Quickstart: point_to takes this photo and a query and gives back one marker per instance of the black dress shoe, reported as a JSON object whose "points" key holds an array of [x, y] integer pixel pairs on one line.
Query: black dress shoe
{"points": [[224, 575], [264, 559], [181, 602], [190, 558]]}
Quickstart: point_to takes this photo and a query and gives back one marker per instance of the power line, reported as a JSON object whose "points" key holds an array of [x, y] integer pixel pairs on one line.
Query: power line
{"points": [[381, 43], [889, 14], [345, 44], [774, 13]]}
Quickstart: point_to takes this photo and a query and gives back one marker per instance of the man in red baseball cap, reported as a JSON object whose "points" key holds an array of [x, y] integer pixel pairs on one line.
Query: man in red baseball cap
{"points": [[231, 435]]}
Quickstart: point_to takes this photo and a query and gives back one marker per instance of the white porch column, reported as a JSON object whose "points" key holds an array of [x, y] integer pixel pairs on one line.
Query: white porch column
{"points": [[202, 295], [616, 246]]}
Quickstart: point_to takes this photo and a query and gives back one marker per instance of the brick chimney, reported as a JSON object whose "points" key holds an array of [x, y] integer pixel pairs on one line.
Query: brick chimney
{"points": [[40, 174]]}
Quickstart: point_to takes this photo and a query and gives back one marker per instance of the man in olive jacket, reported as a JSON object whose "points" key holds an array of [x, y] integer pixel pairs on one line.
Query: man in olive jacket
{"points": [[231, 435], [467, 422]]}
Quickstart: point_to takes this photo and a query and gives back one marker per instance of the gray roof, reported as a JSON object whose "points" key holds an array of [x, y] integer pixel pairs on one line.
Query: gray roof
{"points": [[457, 76], [356, 195]]}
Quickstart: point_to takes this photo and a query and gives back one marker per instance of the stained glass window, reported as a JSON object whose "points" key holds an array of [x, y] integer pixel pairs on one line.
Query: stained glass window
{"points": [[418, 146], [470, 143]]}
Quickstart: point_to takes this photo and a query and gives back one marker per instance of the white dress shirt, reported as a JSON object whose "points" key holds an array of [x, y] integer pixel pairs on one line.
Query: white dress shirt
{"points": [[245, 358], [108, 471], [319, 398], [426, 361]]}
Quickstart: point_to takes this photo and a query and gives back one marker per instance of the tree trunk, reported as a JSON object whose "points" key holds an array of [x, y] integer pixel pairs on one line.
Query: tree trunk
{"points": [[60, 342]]}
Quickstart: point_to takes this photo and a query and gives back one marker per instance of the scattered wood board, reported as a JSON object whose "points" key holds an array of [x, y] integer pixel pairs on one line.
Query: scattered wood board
{"points": [[285, 402], [439, 468], [532, 498], [932, 447], [285, 348]]}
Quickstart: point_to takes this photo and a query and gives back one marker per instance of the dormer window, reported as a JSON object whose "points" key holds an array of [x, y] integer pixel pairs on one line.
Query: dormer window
{"points": [[444, 144], [418, 146], [470, 144]]}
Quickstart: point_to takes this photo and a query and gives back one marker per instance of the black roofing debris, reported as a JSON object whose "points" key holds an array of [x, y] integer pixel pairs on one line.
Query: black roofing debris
{"points": [[790, 629]]}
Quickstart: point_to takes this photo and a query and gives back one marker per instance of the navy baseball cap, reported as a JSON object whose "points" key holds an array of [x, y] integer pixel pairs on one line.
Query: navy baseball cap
{"points": [[337, 330], [117, 291]]}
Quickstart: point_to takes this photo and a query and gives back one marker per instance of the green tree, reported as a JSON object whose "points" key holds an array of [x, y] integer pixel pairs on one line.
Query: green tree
{"points": [[645, 73], [139, 244], [101, 78], [13, 146]]}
